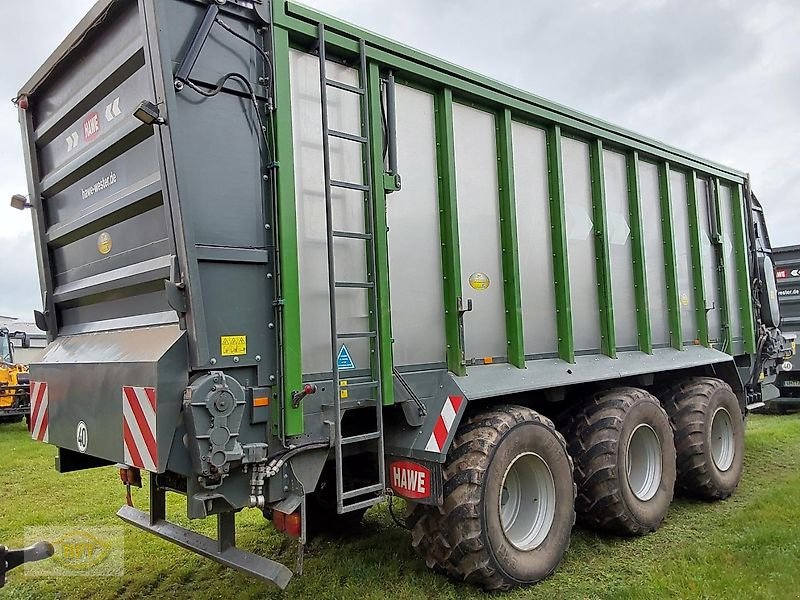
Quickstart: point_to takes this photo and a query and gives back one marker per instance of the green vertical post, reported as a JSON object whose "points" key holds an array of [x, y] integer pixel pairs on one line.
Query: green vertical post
{"points": [[558, 228], [696, 244], [292, 360], [608, 339], [719, 242], [743, 270], [670, 258], [508, 237], [448, 213], [383, 320], [638, 255]]}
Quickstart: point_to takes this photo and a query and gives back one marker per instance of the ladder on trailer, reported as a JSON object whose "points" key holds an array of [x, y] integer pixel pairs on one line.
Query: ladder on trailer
{"points": [[372, 493]]}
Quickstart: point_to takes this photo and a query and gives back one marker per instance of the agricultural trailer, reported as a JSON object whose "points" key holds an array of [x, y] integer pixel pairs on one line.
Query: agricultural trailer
{"points": [[787, 272], [289, 265]]}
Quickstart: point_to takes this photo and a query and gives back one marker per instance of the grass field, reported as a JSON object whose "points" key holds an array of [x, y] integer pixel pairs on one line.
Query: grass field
{"points": [[745, 547]]}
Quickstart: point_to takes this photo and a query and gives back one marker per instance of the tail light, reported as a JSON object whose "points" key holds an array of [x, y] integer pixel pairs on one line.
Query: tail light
{"points": [[291, 525]]}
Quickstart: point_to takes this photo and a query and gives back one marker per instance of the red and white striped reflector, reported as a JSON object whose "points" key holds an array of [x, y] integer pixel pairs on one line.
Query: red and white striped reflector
{"points": [[40, 413], [444, 423], [139, 427]]}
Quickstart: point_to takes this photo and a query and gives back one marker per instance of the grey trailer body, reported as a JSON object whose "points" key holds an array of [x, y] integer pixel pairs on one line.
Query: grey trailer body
{"points": [[282, 258], [787, 272]]}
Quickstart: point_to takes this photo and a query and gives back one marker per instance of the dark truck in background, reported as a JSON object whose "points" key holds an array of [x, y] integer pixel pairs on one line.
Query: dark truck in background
{"points": [[787, 273]]}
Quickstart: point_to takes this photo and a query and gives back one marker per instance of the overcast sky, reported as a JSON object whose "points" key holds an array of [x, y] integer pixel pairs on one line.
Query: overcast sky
{"points": [[719, 78]]}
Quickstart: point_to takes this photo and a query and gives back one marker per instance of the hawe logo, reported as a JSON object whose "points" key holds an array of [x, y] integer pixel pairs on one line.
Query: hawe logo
{"points": [[410, 480], [91, 127]]}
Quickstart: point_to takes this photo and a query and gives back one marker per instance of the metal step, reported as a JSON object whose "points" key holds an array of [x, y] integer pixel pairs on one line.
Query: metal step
{"points": [[364, 437], [342, 135], [358, 335], [756, 405], [370, 489], [363, 504], [348, 185], [366, 285], [345, 86], [352, 235]]}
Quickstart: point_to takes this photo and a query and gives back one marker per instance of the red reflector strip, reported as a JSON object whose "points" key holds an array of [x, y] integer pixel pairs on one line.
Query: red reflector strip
{"points": [[444, 424], [139, 427], [40, 417]]}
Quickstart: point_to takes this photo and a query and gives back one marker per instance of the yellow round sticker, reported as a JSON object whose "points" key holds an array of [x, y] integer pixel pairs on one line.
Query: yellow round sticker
{"points": [[104, 243], [479, 281]]}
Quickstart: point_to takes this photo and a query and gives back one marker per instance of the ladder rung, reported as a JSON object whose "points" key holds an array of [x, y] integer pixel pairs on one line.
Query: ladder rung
{"points": [[363, 504], [347, 136], [345, 86], [352, 235], [370, 489], [349, 186], [366, 285], [359, 384], [357, 439], [357, 335]]}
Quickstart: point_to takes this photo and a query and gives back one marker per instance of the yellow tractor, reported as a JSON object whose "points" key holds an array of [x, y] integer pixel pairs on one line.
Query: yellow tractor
{"points": [[15, 399]]}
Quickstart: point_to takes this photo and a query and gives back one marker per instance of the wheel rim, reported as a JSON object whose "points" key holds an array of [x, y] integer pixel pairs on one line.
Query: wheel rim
{"points": [[527, 501], [722, 439], [644, 462]]}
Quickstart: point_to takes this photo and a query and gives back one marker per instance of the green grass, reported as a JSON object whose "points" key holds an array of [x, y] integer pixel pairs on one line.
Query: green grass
{"points": [[745, 547]]}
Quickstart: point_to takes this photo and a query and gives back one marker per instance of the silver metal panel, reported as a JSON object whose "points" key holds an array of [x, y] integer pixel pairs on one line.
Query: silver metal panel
{"points": [[710, 273], [415, 265], [479, 231], [490, 381], [619, 249], [348, 213], [581, 252], [654, 253], [729, 251], [535, 243], [683, 254]]}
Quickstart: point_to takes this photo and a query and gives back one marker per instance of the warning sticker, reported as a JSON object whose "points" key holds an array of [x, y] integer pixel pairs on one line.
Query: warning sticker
{"points": [[233, 345], [344, 362], [685, 300], [479, 281]]}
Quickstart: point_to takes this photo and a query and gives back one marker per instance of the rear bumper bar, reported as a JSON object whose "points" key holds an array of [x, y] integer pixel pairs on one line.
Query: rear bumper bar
{"points": [[222, 550]]}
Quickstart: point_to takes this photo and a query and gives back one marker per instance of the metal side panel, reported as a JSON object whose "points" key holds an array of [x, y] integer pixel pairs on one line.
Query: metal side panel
{"points": [[348, 211], [534, 240], [125, 387], [683, 253], [415, 266], [488, 381], [581, 246], [479, 233], [620, 250], [713, 306], [727, 213], [654, 253]]}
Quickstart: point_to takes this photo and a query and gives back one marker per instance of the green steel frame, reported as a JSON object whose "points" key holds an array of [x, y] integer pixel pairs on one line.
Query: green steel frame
{"points": [[638, 254], [508, 235], [292, 360], [383, 320], [719, 244], [558, 228], [602, 257], [743, 277], [670, 259], [296, 25], [448, 211], [698, 275]]}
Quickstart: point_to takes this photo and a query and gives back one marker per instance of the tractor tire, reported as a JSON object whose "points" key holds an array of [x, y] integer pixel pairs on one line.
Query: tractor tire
{"points": [[709, 437], [508, 505], [624, 453]]}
